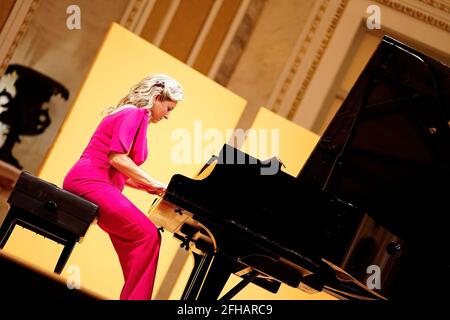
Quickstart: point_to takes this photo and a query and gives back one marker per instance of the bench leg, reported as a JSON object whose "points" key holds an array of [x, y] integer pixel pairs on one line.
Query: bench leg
{"points": [[6, 229], [65, 254]]}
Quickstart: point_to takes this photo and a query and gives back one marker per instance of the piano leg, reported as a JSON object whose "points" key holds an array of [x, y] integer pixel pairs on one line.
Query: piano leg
{"points": [[6, 229], [241, 285], [208, 277]]}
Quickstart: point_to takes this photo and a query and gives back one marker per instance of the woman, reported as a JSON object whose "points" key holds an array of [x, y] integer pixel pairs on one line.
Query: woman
{"points": [[110, 161]]}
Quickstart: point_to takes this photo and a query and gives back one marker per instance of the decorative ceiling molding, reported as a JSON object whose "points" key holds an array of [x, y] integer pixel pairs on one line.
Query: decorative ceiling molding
{"points": [[318, 56], [14, 29]]}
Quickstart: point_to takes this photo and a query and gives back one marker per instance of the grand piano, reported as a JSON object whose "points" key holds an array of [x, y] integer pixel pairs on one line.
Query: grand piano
{"points": [[364, 218]]}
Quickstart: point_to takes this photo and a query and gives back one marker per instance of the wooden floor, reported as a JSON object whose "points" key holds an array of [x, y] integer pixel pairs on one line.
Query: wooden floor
{"points": [[22, 281]]}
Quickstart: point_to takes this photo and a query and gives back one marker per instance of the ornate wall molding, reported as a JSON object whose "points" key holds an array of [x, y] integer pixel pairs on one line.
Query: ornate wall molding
{"points": [[14, 29], [442, 6], [237, 45], [132, 13], [318, 56], [300, 56], [421, 15]]}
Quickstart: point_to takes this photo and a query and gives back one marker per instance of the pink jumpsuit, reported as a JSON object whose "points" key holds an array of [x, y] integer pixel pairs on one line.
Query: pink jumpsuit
{"points": [[134, 237]]}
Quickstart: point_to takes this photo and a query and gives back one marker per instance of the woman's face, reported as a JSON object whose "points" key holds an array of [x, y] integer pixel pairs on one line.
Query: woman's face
{"points": [[161, 109]]}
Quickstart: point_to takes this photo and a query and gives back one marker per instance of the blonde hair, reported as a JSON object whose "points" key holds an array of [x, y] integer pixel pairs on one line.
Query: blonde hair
{"points": [[142, 95]]}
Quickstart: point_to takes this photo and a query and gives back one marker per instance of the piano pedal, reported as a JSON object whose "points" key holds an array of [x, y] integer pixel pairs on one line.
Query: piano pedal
{"points": [[185, 244], [184, 241]]}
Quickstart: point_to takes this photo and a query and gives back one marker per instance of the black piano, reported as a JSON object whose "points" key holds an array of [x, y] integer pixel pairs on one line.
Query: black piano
{"points": [[364, 219]]}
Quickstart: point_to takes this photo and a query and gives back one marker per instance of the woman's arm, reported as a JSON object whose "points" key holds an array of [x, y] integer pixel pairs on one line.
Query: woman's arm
{"points": [[133, 184], [130, 183], [139, 178]]}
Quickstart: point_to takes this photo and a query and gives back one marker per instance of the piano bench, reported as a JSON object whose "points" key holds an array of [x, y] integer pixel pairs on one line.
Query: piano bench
{"points": [[50, 211]]}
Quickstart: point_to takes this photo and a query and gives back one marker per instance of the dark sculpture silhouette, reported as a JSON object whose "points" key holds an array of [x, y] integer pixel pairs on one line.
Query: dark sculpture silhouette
{"points": [[24, 114]]}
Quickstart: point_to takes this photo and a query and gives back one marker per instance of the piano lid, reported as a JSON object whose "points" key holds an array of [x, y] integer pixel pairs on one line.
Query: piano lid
{"points": [[387, 150]]}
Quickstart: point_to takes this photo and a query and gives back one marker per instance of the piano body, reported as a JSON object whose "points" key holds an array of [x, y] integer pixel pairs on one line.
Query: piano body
{"points": [[372, 197]]}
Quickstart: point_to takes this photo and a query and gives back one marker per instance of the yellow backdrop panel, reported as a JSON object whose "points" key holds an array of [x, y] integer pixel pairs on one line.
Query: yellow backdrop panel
{"points": [[285, 139], [123, 60], [273, 135]]}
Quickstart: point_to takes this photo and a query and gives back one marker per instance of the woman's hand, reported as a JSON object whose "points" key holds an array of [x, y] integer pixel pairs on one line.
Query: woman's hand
{"points": [[154, 187]]}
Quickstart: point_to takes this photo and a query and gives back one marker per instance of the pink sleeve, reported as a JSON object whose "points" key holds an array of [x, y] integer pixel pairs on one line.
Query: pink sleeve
{"points": [[126, 130]]}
